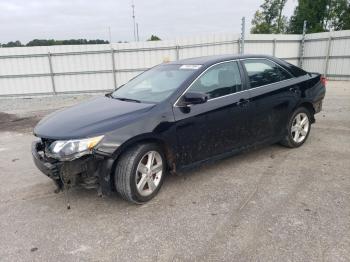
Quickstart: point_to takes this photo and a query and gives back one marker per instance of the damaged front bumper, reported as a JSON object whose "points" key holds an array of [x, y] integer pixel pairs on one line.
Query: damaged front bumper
{"points": [[90, 171]]}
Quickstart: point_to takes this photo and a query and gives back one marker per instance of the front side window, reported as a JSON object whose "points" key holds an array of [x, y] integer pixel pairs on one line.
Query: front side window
{"points": [[156, 84], [219, 80], [263, 72]]}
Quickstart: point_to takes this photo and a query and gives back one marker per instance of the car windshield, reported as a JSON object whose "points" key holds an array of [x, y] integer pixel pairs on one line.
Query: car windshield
{"points": [[156, 84]]}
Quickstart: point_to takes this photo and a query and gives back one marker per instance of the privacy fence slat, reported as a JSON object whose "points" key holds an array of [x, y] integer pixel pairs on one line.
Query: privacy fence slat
{"points": [[91, 68]]}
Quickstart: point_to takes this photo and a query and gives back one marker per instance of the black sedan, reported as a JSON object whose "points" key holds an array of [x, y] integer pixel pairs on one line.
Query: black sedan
{"points": [[174, 116]]}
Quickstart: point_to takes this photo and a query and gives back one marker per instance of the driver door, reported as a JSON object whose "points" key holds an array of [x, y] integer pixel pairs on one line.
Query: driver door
{"points": [[218, 125]]}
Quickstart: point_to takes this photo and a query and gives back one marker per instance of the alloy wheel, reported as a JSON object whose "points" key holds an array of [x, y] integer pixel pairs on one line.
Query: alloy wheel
{"points": [[149, 173], [300, 127]]}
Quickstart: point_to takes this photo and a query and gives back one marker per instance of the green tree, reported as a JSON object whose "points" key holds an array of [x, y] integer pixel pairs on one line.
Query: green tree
{"points": [[12, 44], [346, 19], [339, 15], [40, 42], [321, 16], [269, 19], [154, 38], [49, 42]]}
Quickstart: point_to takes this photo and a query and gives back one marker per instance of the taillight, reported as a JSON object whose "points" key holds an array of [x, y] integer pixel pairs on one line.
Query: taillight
{"points": [[323, 80]]}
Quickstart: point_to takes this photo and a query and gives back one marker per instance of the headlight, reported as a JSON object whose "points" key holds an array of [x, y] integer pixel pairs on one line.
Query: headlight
{"points": [[72, 149]]}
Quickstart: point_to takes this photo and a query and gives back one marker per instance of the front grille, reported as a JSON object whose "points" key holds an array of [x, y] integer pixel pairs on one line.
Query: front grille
{"points": [[46, 144]]}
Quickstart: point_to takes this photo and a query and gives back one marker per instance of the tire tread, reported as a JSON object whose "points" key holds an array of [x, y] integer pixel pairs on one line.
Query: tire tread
{"points": [[123, 171], [287, 140]]}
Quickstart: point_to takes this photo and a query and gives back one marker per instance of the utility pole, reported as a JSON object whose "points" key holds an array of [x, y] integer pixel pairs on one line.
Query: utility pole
{"points": [[137, 32], [109, 35], [133, 18]]}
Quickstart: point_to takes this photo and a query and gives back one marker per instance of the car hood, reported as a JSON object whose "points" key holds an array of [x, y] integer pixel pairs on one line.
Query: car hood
{"points": [[93, 117]]}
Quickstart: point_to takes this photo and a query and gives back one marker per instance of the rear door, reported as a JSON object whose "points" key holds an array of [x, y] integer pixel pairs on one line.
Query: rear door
{"points": [[274, 94], [219, 125]]}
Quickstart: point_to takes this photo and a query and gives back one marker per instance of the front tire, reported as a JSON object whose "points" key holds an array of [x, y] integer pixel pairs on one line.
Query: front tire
{"points": [[298, 128], [140, 172]]}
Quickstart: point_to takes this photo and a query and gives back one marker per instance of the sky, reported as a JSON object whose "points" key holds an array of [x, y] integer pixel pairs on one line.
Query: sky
{"points": [[25, 20]]}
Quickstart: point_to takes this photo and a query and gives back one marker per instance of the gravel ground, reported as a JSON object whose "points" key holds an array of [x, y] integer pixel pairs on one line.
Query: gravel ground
{"points": [[272, 204]]}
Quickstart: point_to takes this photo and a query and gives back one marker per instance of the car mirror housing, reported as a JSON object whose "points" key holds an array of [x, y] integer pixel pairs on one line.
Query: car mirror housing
{"points": [[193, 98]]}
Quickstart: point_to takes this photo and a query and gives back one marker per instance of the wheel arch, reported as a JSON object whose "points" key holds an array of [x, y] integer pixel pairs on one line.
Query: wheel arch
{"points": [[168, 151], [309, 106]]}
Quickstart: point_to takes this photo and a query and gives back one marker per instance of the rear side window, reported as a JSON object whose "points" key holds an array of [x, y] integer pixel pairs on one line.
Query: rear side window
{"points": [[263, 72], [219, 80]]}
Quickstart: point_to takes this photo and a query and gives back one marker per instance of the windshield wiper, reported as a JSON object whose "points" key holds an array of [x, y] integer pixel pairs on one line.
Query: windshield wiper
{"points": [[127, 99]]}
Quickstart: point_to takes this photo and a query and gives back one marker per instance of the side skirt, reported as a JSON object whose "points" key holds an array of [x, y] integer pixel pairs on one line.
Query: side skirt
{"points": [[230, 153]]}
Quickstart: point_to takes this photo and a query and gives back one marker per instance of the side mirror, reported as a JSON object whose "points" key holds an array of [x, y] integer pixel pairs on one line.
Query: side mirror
{"points": [[194, 98]]}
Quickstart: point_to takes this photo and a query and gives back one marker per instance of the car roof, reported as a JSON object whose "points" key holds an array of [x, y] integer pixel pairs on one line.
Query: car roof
{"points": [[209, 60]]}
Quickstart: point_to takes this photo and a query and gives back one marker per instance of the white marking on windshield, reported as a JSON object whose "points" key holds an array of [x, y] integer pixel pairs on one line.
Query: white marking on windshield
{"points": [[190, 67]]}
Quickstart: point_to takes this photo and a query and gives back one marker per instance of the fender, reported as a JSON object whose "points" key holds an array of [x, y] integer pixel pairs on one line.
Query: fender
{"points": [[106, 179]]}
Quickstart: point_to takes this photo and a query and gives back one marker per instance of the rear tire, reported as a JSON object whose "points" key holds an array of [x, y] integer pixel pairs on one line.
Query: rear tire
{"points": [[139, 172], [298, 128]]}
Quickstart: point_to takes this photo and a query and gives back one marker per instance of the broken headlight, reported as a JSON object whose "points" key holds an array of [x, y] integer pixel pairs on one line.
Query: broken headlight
{"points": [[71, 149]]}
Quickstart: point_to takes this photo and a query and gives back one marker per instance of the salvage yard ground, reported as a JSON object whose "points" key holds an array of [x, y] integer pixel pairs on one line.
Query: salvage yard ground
{"points": [[271, 204]]}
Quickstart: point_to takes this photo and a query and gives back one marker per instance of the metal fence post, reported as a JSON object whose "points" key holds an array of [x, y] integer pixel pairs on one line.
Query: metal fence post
{"points": [[242, 36], [239, 45], [113, 69], [177, 50], [327, 56], [51, 74], [312, 61], [302, 46]]}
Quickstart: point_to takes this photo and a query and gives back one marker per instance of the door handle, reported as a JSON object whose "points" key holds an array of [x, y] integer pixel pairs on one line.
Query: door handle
{"points": [[294, 90], [243, 102]]}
